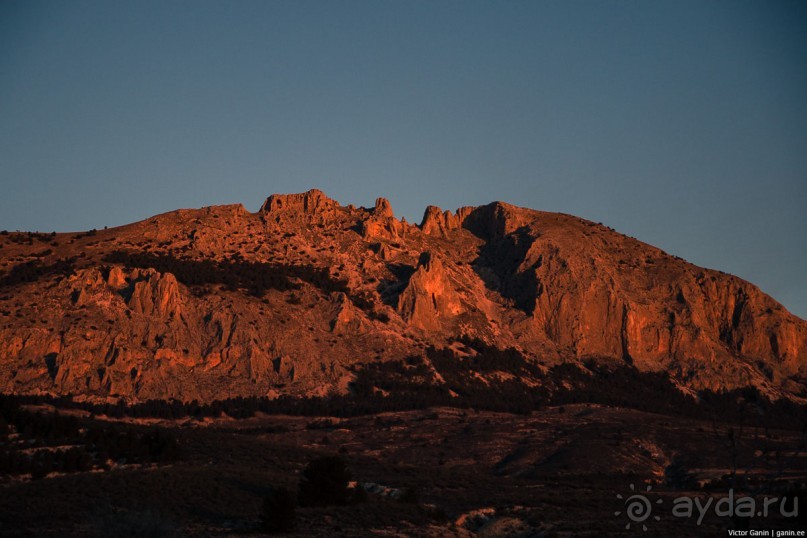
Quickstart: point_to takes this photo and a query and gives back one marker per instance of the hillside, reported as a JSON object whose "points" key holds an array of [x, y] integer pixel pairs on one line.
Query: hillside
{"points": [[295, 299]]}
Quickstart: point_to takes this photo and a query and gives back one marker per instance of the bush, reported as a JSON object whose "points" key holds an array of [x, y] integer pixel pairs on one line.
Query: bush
{"points": [[324, 482], [677, 476], [279, 511]]}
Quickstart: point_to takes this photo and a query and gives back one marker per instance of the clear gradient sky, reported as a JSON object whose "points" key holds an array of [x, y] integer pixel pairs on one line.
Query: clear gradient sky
{"points": [[682, 123]]}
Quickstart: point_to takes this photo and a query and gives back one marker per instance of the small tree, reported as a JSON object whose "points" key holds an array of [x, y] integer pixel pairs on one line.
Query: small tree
{"points": [[324, 482], [677, 476], [279, 511]]}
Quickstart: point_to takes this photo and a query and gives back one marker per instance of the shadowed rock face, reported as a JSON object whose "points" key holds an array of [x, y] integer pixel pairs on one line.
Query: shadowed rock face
{"points": [[222, 302]]}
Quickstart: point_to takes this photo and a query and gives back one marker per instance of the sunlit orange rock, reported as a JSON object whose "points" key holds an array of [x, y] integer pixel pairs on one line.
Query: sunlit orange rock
{"points": [[343, 286]]}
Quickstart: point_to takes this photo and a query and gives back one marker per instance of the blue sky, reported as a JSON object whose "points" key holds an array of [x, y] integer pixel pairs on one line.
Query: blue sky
{"points": [[681, 123]]}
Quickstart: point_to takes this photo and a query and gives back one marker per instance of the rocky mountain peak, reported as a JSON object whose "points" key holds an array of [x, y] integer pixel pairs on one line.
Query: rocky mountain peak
{"points": [[438, 222], [496, 219], [382, 224], [382, 208]]}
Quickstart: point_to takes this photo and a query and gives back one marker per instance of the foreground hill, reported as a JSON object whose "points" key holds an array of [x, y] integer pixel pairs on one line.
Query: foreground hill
{"points": [[556, 472], [297, 298]]}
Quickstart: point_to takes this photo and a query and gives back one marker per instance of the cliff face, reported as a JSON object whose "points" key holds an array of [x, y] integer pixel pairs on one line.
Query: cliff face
{"points": [[220, 302], [595, 293]]}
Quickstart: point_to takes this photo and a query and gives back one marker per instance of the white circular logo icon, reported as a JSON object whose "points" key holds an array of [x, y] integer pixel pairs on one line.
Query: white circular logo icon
{"points": [[638, 507]]}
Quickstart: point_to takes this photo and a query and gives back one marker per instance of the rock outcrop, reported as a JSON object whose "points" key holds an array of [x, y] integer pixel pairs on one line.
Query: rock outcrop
{"points": [[155, 294], [429, 301], [348, 319], [438, 222], [382, 224], [307, 203], [312, 206], [383, 209]]}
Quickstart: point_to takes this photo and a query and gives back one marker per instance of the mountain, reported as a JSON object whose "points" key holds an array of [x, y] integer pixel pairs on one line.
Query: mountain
{"points": [[295, 299]]}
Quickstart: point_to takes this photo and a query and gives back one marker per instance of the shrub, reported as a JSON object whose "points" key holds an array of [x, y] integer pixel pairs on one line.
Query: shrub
{"points": [[677, 476], [32, 271]]}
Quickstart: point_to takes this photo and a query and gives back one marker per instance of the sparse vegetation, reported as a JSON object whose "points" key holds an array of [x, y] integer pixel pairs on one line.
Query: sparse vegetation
{"points": [[38, 443], [236, 274], [411, 384], [33, 270]]}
